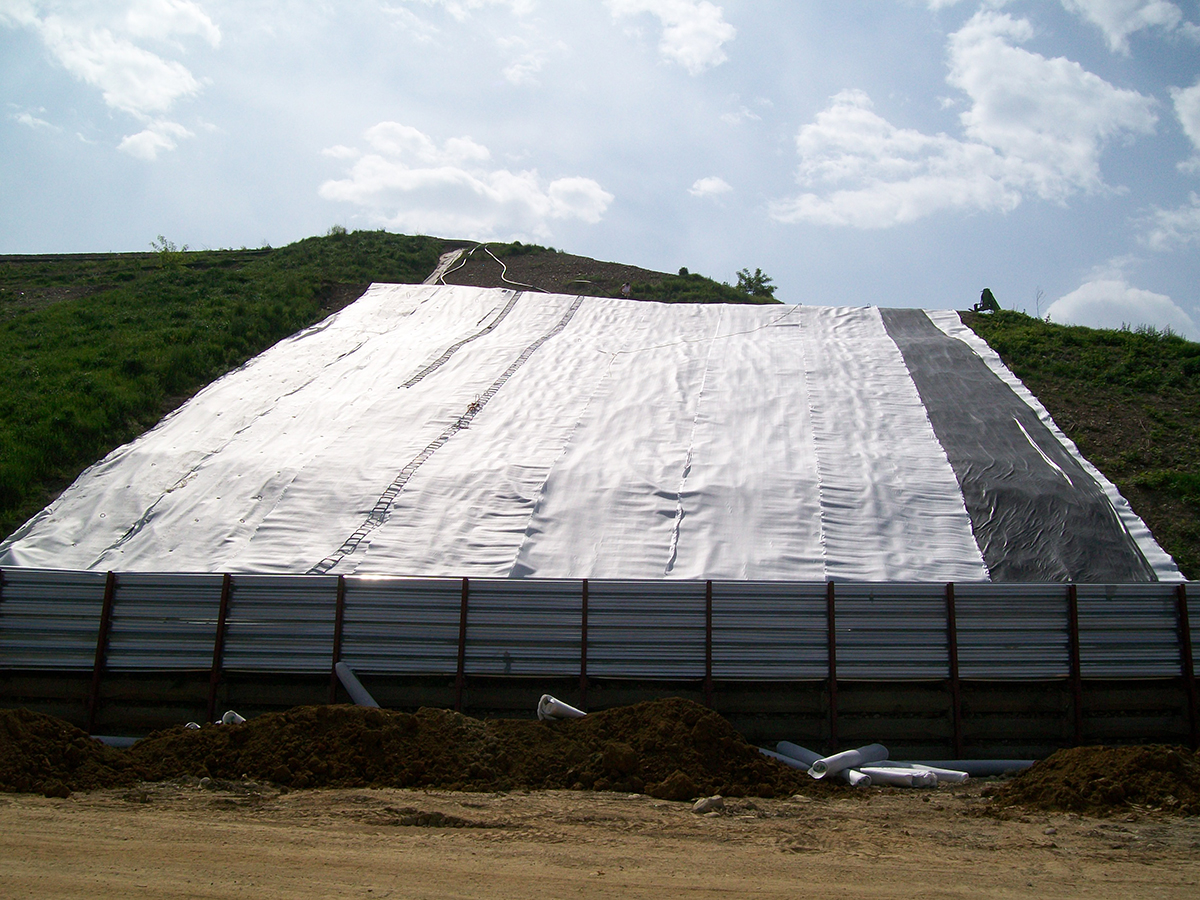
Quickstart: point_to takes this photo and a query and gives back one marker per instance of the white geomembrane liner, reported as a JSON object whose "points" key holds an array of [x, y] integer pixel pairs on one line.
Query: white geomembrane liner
{"points": [[434, 430]]}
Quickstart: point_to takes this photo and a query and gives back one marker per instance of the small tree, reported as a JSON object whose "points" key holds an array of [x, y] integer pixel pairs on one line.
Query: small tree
{"points": [[169, 256], [756, 285]]}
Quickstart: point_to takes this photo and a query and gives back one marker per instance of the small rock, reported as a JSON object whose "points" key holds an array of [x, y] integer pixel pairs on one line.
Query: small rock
{"points": [[207, 783], [708, 804], [1050, 830]]}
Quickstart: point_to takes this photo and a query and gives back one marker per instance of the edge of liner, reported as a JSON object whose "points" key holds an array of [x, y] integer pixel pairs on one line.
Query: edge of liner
{"points": [[1165, 569]]}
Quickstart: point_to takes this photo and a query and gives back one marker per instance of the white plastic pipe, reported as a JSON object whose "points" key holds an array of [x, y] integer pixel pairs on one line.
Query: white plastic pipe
{"points": [[848, 759], [783, 758], [900, 777], [852, 777], [981, 768], [944, 776], [353, 686], [553, 708], [856, 778], [795, 751]]}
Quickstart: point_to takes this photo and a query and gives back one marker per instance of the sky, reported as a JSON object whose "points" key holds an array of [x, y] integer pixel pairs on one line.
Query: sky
{"points": [[860, 152]]}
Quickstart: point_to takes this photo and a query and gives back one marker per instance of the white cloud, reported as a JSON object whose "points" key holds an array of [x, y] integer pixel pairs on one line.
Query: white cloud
{"points": [[1113, 303], [340, 151], [461, 9], [1187, 108], [1167, 229], [407, 181], [163, 19], [97, 43], [694, 31], [131, 78], [880, 175], [1052, 114], [29, 120], [1035, 126], [1120, 18], [710, 187], [149, 142], [524, 69]]}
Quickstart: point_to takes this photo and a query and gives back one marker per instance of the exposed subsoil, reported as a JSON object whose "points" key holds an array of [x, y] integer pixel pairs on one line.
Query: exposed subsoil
{"points": [[671, 749], [556, 273], [1108, 781]]}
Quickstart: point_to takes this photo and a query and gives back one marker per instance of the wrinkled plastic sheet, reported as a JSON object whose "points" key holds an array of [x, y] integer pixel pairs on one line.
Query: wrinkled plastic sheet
{"points": [[433, 430]]}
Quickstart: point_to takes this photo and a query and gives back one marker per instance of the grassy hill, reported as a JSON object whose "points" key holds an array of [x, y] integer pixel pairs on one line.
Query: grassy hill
{"points": [[98, 347]]}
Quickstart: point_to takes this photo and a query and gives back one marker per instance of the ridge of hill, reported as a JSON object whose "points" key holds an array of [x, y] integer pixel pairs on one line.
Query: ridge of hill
{"points": [[100, 346]]}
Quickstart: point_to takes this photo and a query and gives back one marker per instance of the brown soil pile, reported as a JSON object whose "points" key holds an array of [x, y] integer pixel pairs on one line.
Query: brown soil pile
{"points": [[672, 749], [48, 756], [1105, 781]]}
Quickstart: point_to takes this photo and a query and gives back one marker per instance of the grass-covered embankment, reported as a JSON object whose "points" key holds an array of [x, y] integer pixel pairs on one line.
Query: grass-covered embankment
{"points": [[98, 347], [1130, 400]]}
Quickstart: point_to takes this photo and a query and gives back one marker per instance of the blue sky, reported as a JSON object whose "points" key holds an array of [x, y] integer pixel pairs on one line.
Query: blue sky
{"points": [[891, 152]]}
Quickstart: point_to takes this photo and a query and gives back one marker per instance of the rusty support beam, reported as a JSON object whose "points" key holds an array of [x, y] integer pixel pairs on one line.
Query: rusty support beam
{"points": [[583, 645], [1076, 662], [1188, 662], [110, 592], [831, 620], [214, 674], [460, 678], [708, 644], [955, 684], [339, 617]]}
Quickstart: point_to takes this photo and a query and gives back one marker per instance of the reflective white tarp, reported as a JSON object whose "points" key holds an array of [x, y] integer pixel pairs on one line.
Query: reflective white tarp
{"points": [[433, 430]]}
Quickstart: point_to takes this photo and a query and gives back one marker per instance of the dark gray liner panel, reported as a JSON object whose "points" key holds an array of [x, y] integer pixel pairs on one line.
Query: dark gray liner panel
{"points": [[1032, 522]]}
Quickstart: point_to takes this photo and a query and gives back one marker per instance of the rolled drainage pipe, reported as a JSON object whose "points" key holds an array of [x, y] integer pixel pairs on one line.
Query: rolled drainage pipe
{"points": [[944, 776], [980, 768], [551, 708], [353, 686], [795, 751], [852, 777], [975, 768], [900, 777], [848, 759]]}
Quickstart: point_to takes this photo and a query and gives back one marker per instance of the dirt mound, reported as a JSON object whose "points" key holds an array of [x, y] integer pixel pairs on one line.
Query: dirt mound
{"points": [[672, 749], [1104, 781], [44, 755]]}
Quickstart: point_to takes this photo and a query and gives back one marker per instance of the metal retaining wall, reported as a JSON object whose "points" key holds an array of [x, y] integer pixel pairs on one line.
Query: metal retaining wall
{"points": [[943, 666]]}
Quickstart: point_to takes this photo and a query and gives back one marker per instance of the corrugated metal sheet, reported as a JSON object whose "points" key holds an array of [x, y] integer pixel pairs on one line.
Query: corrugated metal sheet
{"points": [[891, 631], [401, 626], [164, 622], [1011, 632], [766, 631], [646, 629], [775, 631], [50, 619], [1128, 631], [524, 627], [280, 623]]}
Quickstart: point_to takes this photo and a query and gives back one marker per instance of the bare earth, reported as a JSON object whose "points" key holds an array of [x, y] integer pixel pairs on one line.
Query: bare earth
{"points": [[244, 840]]}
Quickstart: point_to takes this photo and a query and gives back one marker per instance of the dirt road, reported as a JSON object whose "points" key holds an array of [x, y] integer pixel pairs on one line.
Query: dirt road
{"points": [[242, 840]]}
